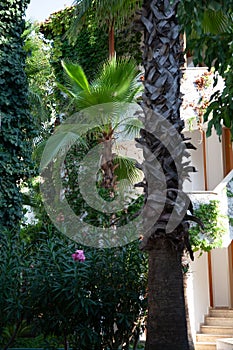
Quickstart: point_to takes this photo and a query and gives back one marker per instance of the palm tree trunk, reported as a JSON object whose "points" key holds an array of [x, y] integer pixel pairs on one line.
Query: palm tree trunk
{"points": [[166, 323], [111, 41], [162, 59], [107, 166], [186, 268], [189, 330]]}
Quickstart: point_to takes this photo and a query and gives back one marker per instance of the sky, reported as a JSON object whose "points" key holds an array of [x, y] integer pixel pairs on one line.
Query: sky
{"points": [[41, 9]]}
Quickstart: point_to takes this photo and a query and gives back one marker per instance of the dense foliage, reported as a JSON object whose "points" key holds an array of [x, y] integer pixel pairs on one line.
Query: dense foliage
{"points": [[40, 75], [214, 227], [90, 49], [16, 127], [209, 28], [98, 303]]}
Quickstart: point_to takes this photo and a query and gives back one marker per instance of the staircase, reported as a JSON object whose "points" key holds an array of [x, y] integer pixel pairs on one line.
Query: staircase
{"points": [[218, 324]]}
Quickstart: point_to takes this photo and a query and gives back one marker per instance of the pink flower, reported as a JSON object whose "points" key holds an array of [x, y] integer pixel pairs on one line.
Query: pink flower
{"points": [[79, 256], [60, 217]]}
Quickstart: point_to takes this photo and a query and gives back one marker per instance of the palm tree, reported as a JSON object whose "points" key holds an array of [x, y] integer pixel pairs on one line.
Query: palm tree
{"points": [[116, 82], [111, 14], [162, 59]]}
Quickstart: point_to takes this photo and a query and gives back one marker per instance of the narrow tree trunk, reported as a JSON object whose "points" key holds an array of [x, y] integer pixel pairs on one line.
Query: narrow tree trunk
{"points": [[107, 163], [111, 41], [166, 319], [108, 166], [66, 344]]}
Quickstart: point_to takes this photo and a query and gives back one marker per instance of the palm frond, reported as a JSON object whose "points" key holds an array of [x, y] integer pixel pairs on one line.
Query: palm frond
{"points": [[216, 22], [116, 82], [58, 145], [126, 169], [38, 151], [132, 127], [66, 90], [119, 77], [77, 75], [104, 12]]}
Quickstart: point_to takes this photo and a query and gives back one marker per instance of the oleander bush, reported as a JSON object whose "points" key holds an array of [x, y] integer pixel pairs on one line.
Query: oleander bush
{"points": [[98, 303]]}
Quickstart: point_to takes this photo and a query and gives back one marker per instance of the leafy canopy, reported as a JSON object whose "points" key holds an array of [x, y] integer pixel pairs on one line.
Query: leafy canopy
{"points": [[209, 28]]}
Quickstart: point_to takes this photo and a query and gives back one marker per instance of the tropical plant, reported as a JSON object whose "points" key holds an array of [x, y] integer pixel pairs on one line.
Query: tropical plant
{"points": [[90, 49], [16, 126], [116, 83], [98, 303], [215, 227], [162, 61], [107, 14]]}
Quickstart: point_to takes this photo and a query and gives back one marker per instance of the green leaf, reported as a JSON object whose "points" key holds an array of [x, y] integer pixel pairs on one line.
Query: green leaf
{"points": [[126, 169], [77, 75]]}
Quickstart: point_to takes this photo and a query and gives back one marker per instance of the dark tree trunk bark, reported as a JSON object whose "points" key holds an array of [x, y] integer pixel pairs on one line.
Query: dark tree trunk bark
{"points": [[164, 151], [166, 325], [189, 330]]}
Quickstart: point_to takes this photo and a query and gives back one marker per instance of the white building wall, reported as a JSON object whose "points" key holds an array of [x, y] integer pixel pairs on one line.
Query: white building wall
{"points": [[220, 277], [214, 161], [197, 178], [198, 291]]}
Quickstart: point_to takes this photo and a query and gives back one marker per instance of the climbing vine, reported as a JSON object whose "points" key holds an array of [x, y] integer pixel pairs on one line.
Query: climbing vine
{"points": [[90, 49], [16, 128], [213, 220]]}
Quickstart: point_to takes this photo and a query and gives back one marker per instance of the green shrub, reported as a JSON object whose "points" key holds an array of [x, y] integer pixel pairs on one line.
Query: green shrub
{"points": [[96, 304]]}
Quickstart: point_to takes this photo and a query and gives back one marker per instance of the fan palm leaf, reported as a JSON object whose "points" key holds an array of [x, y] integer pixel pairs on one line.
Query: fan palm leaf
{"points": [[216, 22], [104, 11], [116, 82], [115, 86], [126, 169], [77, 75]]}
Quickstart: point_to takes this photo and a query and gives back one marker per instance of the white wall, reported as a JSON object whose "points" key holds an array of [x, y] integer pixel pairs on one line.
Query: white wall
{"points": [[198, 291], [214, 161], [197, 178], [220, 277]]}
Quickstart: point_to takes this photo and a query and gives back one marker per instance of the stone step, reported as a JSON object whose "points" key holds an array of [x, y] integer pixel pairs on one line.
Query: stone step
{"points": [[224, 344], [218, 325], [221, 312], [205, 346], [216, 329], [218, 321], [210, 338]]}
